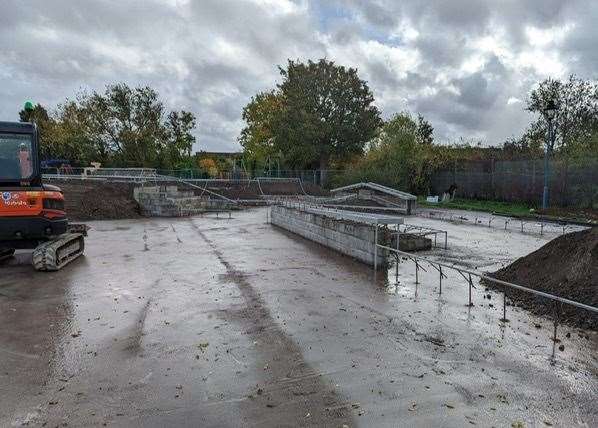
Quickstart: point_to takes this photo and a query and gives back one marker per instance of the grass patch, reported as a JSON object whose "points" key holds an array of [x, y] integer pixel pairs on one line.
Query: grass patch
{"points": [[507, 208]]}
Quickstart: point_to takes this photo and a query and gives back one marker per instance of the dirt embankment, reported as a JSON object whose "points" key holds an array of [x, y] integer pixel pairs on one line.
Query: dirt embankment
{"points": [[98, 200], [567, 267], [101, 200]]}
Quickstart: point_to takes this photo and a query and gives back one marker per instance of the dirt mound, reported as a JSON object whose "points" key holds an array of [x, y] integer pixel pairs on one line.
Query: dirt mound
{"points": [[98, 200], [567, 267]]}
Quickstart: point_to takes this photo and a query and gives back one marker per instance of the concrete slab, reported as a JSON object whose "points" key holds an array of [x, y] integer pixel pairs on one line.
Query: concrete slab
{"points": [[218, 322]]}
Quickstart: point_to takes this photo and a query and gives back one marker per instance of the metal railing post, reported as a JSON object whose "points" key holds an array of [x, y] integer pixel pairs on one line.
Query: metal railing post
{"points": [[470, 286], [554, 333], [398, 255], [440, 271], [504, 305], [376, 248]]}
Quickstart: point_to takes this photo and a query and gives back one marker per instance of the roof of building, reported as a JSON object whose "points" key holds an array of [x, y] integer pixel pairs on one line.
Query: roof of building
{"points": [[378, 188]]}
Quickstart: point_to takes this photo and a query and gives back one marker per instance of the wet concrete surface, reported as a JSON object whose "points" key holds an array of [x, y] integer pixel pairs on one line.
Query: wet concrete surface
{"points": [[218, 322]]}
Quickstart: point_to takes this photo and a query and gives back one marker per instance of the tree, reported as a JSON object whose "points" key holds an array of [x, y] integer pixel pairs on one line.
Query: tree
{"points": [[39, 114], [209, 166], [179, 142], [577, 115], [398, 157], [46, 125], [425, 131], [328, 113], [122, 126], [127, 122], [257, 137]]}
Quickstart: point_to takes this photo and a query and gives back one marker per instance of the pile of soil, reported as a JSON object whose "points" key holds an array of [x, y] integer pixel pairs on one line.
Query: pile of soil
{"points": [[98, 200], [567, 267]]}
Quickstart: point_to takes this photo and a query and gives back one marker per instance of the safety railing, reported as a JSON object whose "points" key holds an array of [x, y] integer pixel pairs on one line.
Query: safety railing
{"points": [[520, 224], [424, 231], [467, 275]]}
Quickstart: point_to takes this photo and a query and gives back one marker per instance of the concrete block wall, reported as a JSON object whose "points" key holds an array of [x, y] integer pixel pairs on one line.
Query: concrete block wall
{"points": [[169, 201], [352, 239]]}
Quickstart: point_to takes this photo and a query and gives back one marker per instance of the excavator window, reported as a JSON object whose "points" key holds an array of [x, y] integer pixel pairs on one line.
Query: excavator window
{"points": [[16, 161]]}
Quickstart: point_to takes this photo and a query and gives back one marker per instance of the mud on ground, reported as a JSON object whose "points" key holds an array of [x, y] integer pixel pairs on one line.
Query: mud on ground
{"points": [[98, 200]]}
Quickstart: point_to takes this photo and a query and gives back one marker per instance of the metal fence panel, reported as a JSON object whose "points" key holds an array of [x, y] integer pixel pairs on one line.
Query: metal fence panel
{"points": [[572, 182]]}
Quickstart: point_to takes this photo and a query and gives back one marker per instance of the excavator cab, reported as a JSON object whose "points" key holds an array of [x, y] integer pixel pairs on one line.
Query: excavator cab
{"points": [[32, 214], [18, 143]]}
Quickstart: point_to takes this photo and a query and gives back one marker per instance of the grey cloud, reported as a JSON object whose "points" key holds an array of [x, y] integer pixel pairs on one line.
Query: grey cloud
{"points": [[442, 49], [474, 91], [211, 56]]}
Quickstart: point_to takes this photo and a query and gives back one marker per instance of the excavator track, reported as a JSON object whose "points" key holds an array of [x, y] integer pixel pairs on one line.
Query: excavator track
{"points": [[58, 252], [6, 253]]}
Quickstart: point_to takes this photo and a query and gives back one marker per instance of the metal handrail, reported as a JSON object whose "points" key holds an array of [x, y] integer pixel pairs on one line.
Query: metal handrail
{"points": [[491, 279]]}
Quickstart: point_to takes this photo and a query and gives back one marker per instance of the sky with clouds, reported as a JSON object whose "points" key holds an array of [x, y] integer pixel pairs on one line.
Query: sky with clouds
{"points": [[465, 65]]}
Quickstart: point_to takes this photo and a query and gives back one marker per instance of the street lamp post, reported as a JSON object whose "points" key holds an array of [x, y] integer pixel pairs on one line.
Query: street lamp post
{"points": [[549, 112]]}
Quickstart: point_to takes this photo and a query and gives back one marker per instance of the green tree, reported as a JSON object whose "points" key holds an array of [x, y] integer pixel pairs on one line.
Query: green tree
{"points": [[425, 131], [39, 114], [398, 157], [123, 126], [178, 145], [46, 126], [577, 115], [257, 137], [327, 114]]}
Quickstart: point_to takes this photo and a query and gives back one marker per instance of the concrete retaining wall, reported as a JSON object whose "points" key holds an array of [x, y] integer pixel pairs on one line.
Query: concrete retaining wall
{"points": [[169, 201], [352, 239]]}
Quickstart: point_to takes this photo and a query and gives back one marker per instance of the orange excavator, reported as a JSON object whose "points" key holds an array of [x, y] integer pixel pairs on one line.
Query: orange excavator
{"points": [[32, 214]]}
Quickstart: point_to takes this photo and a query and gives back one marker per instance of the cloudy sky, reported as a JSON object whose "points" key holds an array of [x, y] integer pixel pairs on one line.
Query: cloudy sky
{"points": [[465, 65]]}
